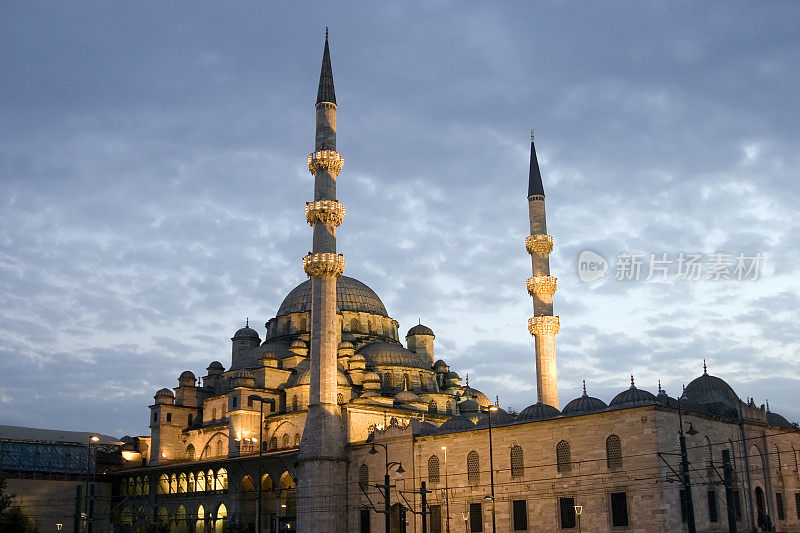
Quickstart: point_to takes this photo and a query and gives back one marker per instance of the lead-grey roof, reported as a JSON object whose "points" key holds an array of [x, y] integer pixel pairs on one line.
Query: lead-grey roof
{"points": [[351, 295]]}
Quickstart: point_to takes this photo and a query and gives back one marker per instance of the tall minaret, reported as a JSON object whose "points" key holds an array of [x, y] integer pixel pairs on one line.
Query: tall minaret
{"points": [[321, 479], [543, 326]]}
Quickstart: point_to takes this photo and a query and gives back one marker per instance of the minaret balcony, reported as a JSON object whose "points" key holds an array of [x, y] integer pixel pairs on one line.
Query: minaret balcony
{"points": [[329, 212], [324, 264], [328, 160], [544, 325], [539, 244], [542, 287]]}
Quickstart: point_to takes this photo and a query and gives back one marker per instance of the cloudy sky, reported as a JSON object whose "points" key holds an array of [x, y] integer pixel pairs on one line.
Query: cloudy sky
{"points": [[153, 178]]}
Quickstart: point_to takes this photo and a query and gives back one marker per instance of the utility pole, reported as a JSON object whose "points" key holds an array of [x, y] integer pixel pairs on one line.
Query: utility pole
{"points": [[727, 473], [424, 493], [687, 485]]}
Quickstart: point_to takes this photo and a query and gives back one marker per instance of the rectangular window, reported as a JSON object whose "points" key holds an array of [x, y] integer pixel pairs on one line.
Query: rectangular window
{"points": [[234, 400], [249, 402], [684, 509], [619, 509], [155, 416], [779, 505], [436, 519], [363, 521], [520, 509], [189, 420], [169, 417], [475, 518], [566, 507], [712, 506], [737, 505]]}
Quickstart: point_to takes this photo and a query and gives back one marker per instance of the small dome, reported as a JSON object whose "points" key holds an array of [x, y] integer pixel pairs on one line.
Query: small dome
{"points": [[632, 397], [406, 397], [709, 389], [469, 406], [475, 394], [426, 428], [539, 411], [386, 354], [451, 375], [584, 405], [165, 392], [187, 375], [419, 329], [298, 343], [456, 423], [440, 366], [499, 418], [358, 358], [372, 376], [665, 399], [246, 333], [216, 367], [346, 345], [775, 419]]}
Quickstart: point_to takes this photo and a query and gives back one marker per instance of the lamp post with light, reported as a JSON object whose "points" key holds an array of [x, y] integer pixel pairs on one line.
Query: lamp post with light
{"points": [[387, 507], [261, 400], [91, 462], [687, 486], [446, 492], [578, 511]]}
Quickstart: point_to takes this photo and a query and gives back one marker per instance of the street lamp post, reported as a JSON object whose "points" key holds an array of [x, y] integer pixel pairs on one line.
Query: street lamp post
{"points": [[578, 511], [491, 464], [687, 486], [446, 493], [90, 489], [261, 400], [387, 507]]}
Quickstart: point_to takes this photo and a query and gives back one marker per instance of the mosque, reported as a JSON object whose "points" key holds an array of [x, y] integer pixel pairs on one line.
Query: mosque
{"points": [[333, 422]]}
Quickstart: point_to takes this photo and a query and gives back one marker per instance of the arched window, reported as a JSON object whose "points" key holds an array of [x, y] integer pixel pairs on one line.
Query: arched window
{"points": [[303, 324], [387, 380], [354, 325], [273, 443], [449, 408], [433, 469], [563, 457], [294, 403], [613, 452], [794, 455], [432, 406], [709, 457], [219, 447], [340, 398], [297, 439], [777, 459], [363, 477], [214, 414], [224, 409], [285, 441], [517, 463], [190, 453], [473, 467]]}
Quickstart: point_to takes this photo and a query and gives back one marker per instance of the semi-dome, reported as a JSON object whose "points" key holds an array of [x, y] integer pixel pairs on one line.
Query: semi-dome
{"points": [[351, 295], [584, 405], [456, 423], [499, 418], [387, 354], [538, 411], [632, 397], [775, 419], [426, 428], [708, 389], [469, 406], [420, 329], [475, 394], [407, 397]]}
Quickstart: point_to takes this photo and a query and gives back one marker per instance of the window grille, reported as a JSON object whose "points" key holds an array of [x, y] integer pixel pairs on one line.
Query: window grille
{"points": [[796, 503], [285, 440], [473, 467], [520, 512], [475, 518], [567, 508], [737, 506], [432, 406], [433, 469], [363, 477], [339, 398], [779, 505], [517, 463], [613, 452], [712, 507], [619, 509], [436, 518], [563, 457]]}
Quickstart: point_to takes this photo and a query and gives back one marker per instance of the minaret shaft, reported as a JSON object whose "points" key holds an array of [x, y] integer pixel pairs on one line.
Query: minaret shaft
{"points": [[544, 325]]}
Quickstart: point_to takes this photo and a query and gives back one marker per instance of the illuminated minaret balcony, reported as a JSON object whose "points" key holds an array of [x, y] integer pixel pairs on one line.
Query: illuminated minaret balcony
{"points": [[543, 287], [544, 325], [324, 264], [329, 212], [539, 244], [330, 161]]}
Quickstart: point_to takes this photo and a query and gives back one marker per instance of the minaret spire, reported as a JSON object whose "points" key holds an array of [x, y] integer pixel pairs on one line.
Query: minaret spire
{"points": [[541, 286], [321, 456]]}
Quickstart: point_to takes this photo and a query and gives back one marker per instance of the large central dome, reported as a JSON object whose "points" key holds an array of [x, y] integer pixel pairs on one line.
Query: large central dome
{"points": [[351, 295]]}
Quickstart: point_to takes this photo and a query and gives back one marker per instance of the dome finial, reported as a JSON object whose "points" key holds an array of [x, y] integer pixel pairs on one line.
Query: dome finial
{"points": [[467, 379], [584, 387], [247, 322], [497, 400], [768, 406], [659, 386], [705, 368], [326, 33], [633, 385], [531, 135]]}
